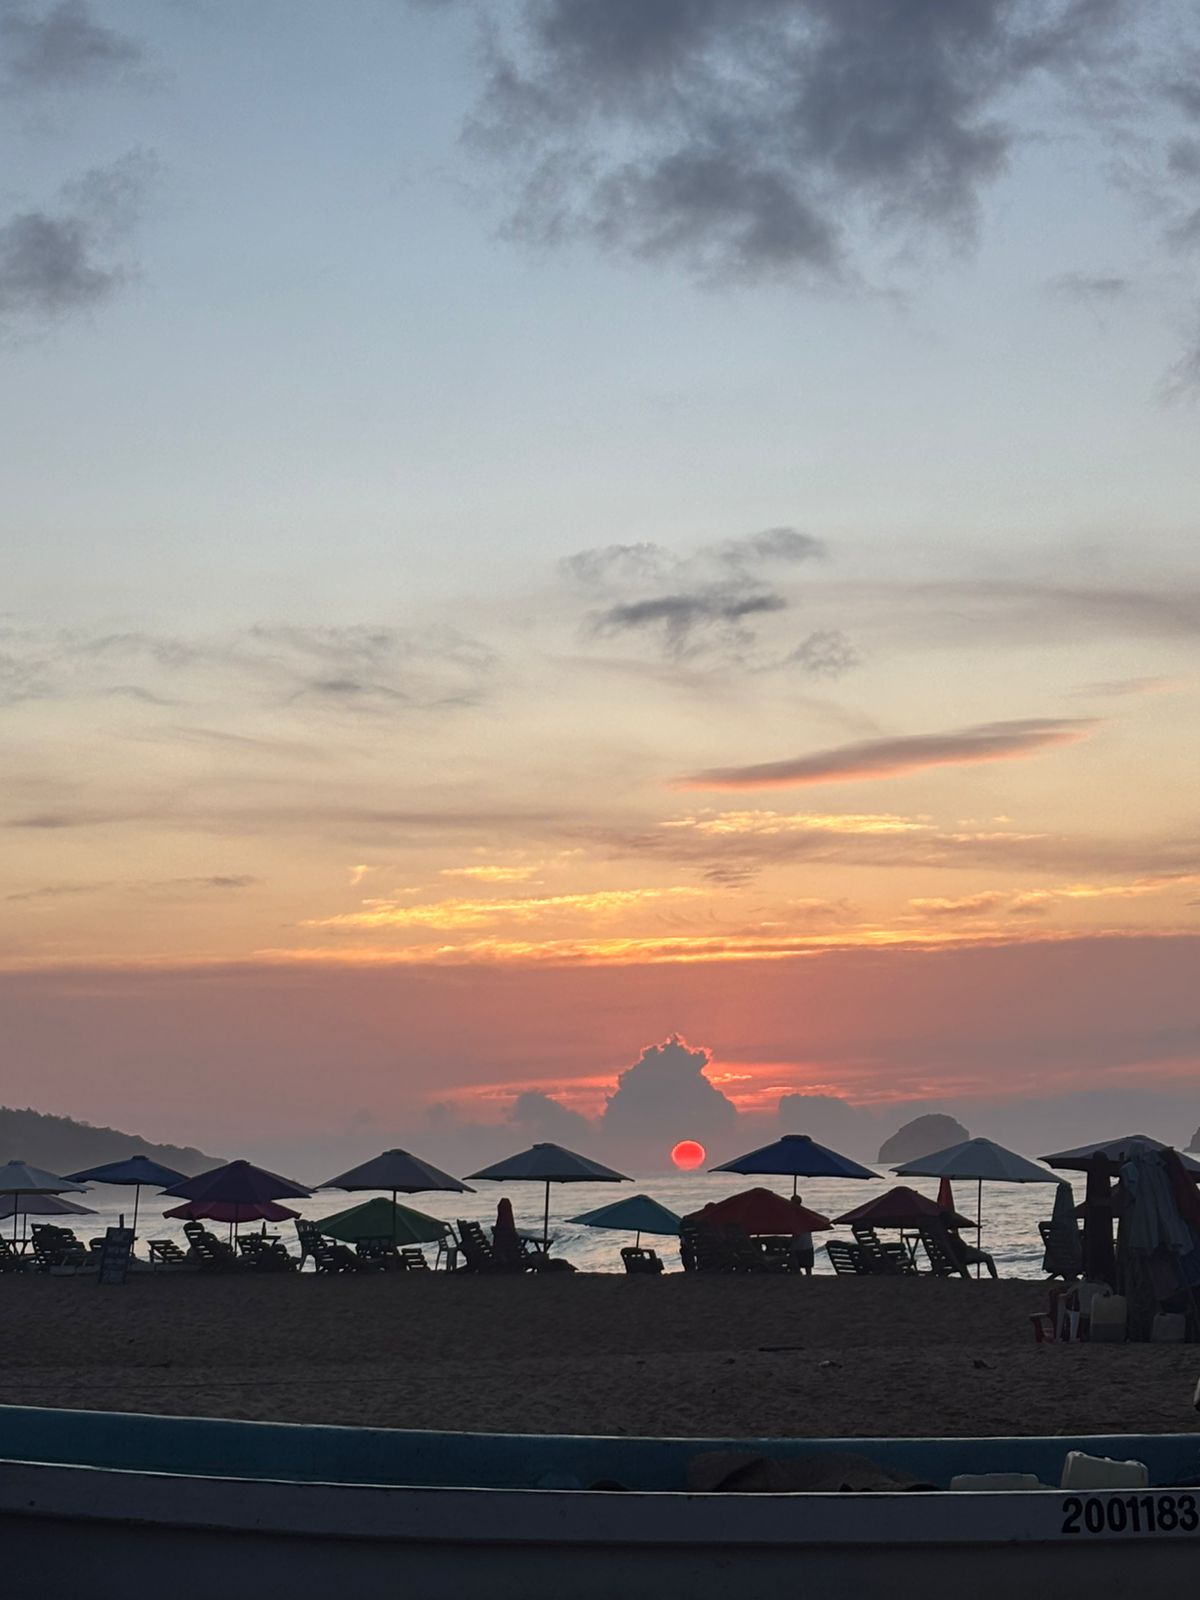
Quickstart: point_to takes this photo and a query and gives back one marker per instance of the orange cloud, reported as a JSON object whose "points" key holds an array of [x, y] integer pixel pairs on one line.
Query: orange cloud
{"points": [[770, 824], [452, 914], [894, 758], [490, 874]]}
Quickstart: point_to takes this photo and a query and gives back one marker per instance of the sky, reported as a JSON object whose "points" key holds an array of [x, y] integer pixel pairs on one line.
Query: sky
{"points": [[590, 567]]}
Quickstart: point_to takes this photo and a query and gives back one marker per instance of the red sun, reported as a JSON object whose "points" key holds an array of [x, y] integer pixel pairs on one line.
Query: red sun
{"points": [[688, 1155]]}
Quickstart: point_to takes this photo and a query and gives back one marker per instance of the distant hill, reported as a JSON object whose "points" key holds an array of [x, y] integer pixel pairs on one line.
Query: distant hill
{"points": [[921, 1137], [1195, 1144], [62, 1145]]}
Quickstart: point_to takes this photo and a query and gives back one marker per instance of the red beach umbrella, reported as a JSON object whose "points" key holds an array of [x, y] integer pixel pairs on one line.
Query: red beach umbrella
{"points": [[226, 1211], [758, 1211], [903, 1207]]}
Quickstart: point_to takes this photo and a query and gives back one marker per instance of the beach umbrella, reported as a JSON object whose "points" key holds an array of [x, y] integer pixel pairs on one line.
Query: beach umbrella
{"points": [[240, 1183], [227, 1211], [241, 1186], [548, 1163], [1117, 1151], [384, 1219], [18, 1178], [136, 1173], [981, 1159], [41, 1205], [637, 1214], [398, 1172], [758, 1211], [795, 1156], [903, 1207]]}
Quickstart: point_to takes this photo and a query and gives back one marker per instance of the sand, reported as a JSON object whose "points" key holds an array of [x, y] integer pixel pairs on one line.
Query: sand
{"points": [[685, 1355]]}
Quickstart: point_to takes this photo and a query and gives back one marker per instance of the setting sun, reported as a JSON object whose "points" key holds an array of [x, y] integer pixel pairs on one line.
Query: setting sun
{"points": [[688, 1155]]}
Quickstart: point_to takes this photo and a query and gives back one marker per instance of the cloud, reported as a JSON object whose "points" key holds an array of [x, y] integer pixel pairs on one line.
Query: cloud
{"points": [[57, 261], [891, 758], [680, 618], [1125, 688], [543, 1118], [61, 46], [708, 601], [491, 874], [451, 914], [761, 138], [665, 1096], [1085, 286], [827, 653]]}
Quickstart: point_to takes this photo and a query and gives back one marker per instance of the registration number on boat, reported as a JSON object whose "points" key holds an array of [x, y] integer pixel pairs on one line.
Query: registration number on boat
{"points": [[1130, 1513]]}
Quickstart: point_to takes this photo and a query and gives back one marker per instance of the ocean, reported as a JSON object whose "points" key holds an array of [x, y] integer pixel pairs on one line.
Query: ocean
{"points": [[1011, 1213]]}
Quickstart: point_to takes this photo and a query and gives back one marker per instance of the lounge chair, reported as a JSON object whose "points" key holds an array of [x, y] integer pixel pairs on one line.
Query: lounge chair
{"points": [[325, 1255], [166, 1253], [56, 1249], [885, 1260], [379, 1255], [950, 1256], [265, 1255], [414, 1258], [847, 1260], [11, 1260], [477, 1254], [638, 1260], [207, 1251]]}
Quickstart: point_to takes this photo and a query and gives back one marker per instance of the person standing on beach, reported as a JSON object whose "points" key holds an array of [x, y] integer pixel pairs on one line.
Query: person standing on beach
{"points": [[801, 1248]]}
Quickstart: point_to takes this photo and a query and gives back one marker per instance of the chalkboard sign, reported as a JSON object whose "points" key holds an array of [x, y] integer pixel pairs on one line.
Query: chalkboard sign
{"points": [[114, 1255]]}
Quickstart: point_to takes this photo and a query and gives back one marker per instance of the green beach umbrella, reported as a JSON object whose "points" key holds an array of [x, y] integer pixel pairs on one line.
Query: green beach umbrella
{"points": [[383, 1219]]}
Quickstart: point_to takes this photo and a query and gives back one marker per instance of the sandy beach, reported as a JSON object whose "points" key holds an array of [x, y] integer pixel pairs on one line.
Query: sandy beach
{"points": [[681, 1355]]}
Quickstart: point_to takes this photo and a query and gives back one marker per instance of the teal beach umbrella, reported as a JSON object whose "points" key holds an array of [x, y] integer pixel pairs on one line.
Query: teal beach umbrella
{"points": [[637, 1214]]}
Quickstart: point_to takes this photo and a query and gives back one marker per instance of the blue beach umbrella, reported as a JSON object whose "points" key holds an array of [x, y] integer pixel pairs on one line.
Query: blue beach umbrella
{"points": [[136, 1173], [637, 1214], [795, 1156]]}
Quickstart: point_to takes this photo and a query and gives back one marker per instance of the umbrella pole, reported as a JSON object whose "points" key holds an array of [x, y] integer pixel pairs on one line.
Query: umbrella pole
{"points": [[394, 1193], [546, 1222], [978, 1222], [137, 1195]]}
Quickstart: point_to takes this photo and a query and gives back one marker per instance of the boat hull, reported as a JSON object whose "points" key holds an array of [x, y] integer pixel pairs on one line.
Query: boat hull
{"points": [[113, 1527]]}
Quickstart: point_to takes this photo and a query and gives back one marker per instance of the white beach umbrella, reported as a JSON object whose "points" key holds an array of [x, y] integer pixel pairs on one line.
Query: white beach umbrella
{"points": [[18, 1178], [549, 1163], [981, 1159], [1117, 1151], [397, 1172], [40, 1205]]}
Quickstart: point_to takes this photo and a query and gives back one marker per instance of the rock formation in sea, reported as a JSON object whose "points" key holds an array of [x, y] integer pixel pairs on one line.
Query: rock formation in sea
{"points": [[921, 1136]]}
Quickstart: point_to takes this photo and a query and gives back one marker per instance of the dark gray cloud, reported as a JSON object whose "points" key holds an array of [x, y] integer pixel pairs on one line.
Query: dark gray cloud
{"points": [[827, 653], [61, 45], [681, 620], [55, 261], [1090, 286], [664, 1096], [891, 758], [541, 1117], [757, 138], [363, 669], [706, 602]]}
